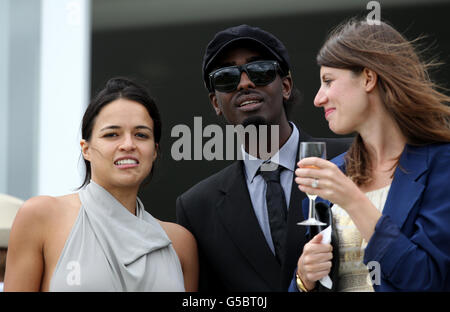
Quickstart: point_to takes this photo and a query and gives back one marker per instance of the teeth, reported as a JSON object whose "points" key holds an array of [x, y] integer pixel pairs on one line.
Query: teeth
{"points": [[126, 162], [249, 102]]}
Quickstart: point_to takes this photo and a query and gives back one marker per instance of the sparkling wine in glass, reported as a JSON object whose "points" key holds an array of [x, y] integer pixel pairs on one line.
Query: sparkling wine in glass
{"points": [[312, 149]]}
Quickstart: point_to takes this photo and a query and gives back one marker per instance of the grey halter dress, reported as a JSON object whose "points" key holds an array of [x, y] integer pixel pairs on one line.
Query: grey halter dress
{"points": [[110, 249]]}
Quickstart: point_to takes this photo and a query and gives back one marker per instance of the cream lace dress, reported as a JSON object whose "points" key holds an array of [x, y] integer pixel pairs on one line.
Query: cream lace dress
{"points": [[353, 274]]}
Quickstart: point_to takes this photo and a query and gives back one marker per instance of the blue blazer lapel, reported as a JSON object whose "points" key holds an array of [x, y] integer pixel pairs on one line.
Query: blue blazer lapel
{"points": [[406, 188]]}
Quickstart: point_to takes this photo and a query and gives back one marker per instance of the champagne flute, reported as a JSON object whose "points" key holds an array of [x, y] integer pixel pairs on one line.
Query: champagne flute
{"points": [[312, 149]]}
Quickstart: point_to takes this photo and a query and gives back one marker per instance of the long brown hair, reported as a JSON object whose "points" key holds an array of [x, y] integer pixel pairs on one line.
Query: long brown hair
{"points": [[407, 92]]}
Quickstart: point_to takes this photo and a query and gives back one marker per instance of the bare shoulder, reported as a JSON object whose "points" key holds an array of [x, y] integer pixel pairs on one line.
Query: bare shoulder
{"points": [[183, 242], [31, 223], [45, 207], [37, 237], [43, 215], [175, 231], [186, 248], [37, 208]]}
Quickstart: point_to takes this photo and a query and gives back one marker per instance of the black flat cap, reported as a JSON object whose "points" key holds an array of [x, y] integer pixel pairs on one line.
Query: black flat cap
{"points": [[262, 38]]}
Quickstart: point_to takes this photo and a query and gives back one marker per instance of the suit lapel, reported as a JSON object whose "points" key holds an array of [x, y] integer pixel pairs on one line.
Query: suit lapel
{"points": [[405, 187], [239, 219]]}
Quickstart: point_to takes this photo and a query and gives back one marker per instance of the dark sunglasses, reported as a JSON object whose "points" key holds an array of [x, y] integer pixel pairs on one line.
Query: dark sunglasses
{"points": [[261, 73]]}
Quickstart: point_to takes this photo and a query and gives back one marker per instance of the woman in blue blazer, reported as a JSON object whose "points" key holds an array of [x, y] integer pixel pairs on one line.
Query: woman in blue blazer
{"points": [[390, 193]]}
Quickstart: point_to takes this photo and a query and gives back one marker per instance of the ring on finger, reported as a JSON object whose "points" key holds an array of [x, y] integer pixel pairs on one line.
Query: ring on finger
{"points": [[315, 183]]}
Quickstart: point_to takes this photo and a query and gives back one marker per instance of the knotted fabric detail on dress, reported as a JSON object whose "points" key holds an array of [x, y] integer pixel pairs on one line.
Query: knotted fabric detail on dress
{"points": [[124, 237]]}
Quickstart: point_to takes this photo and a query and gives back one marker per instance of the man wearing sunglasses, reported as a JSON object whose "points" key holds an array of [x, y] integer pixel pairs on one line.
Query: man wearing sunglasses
{"points": [[243, 246]]}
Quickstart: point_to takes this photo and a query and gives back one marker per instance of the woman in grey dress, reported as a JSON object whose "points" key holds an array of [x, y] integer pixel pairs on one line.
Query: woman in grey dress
{"points": [[101, 238]]}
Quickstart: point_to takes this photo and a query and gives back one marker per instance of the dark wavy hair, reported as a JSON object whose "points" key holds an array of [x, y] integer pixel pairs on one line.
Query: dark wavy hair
{"points": [[407, 92], [119, 88]]}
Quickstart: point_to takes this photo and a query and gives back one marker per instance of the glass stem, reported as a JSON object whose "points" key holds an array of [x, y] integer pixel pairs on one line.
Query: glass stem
{"points": [[313, 209], [310, 213]]}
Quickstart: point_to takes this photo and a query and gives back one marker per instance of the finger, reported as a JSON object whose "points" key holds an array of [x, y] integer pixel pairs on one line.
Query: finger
{"points": [[311, 257], [319, 248], [310, 190], [321, 191], [312, 249], [317, 239], [307, 173], [318, 258], [321, 174], [314, 161], [306, 182], [317, 275], [317, 267]]}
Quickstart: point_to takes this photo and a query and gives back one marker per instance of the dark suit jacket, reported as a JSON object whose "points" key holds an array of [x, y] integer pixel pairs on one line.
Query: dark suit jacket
{"points": [[233, 253]]}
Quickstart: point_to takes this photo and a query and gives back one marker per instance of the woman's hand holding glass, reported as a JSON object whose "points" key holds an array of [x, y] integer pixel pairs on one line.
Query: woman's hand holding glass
{"points": [[312, 149], [329, 181], [339, 189]]}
